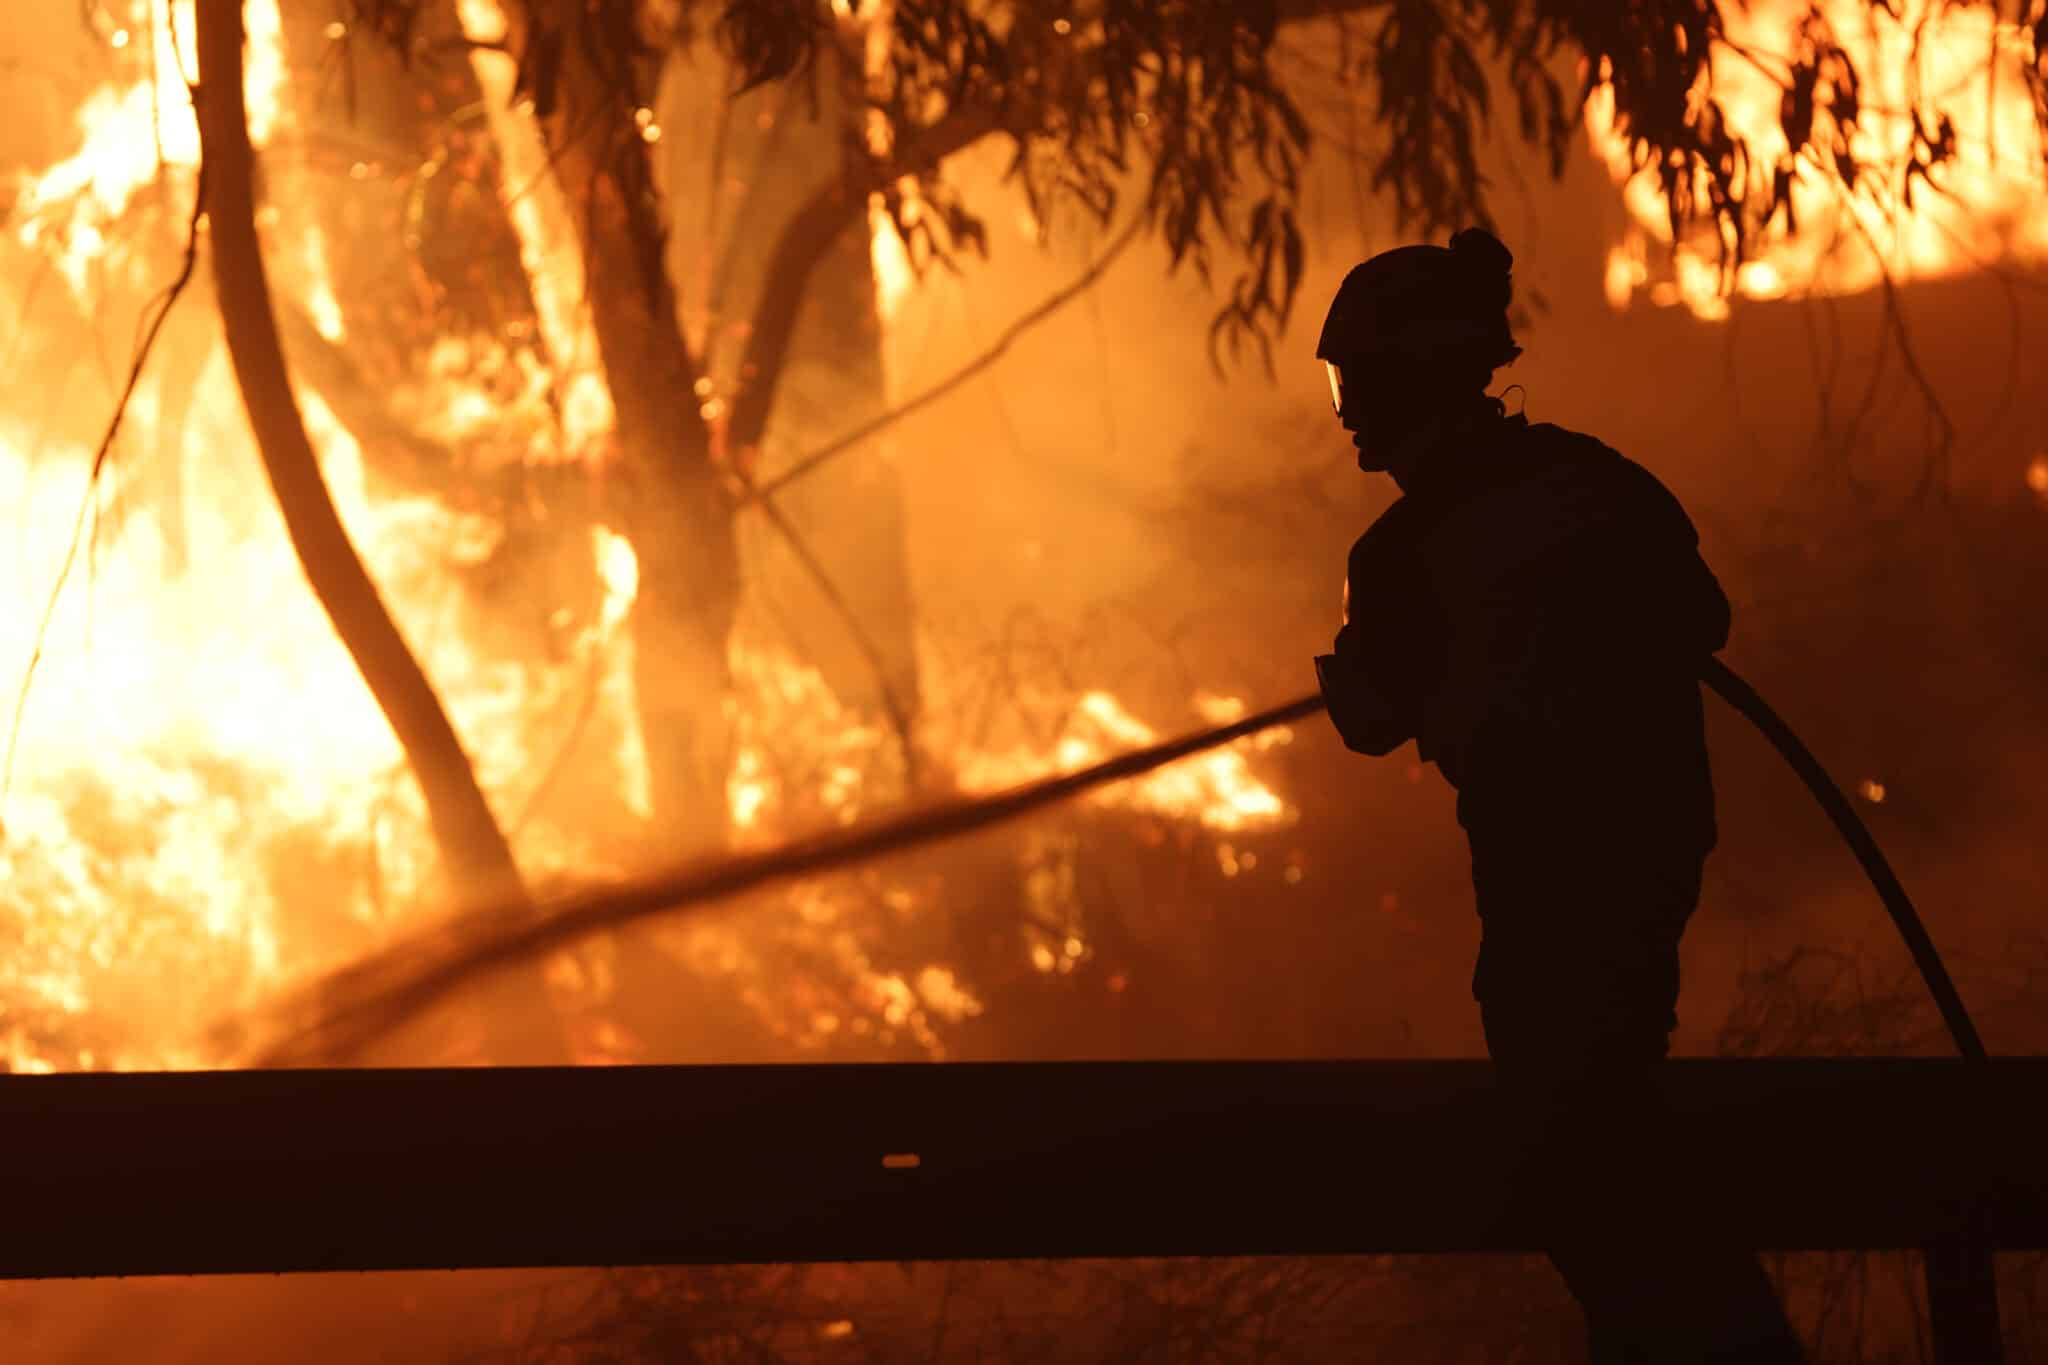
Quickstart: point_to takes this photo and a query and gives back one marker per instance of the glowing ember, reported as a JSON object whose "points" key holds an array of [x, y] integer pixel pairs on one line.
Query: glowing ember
{"points": [[2037, 475], [1990, 203]]}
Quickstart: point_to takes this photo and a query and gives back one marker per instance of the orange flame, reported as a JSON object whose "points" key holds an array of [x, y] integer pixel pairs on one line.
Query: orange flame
{"points": [[206, 802], [138, 132], [1990, 207], [205, 799]]}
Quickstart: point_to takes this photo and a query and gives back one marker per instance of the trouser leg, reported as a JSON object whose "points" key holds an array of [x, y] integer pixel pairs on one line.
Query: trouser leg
{"points": [[1578, 987], [1655, 1280]]}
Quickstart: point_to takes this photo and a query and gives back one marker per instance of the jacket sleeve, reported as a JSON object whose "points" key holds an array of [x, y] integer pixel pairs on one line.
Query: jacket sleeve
{"points": [[1365, 720], [1381, 663]]}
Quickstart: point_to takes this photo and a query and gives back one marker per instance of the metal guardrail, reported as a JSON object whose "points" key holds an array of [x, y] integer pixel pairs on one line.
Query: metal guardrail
{"points": [[271, 1171]]}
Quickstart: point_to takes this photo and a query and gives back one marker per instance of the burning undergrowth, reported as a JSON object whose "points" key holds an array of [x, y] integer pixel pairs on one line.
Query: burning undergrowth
{"points": [[896, 955], [205, 807], [171, 858]]}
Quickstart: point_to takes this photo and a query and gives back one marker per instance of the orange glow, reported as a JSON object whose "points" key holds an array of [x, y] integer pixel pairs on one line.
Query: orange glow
{"points": [[207, 805], [1993, 209], [139, 131], [545, 222], [184, 733], [1216, 789], [198, 755], [792, 711], [893, 275]]}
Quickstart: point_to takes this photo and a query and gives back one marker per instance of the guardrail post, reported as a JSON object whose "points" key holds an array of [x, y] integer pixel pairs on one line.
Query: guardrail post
{"points": [[1962, 1304]]}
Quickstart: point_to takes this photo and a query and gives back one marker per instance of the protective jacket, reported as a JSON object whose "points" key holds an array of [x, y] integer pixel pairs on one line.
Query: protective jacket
{"points": [[1534, 613]]}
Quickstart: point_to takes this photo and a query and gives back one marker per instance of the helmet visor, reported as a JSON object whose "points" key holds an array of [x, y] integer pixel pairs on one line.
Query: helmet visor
{"points": [[1336, 373]]}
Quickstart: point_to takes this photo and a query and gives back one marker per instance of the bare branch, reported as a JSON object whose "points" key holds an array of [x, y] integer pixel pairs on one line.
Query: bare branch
{"points": [[803, 243], [893, 705], [162, 305], [867, 430]]}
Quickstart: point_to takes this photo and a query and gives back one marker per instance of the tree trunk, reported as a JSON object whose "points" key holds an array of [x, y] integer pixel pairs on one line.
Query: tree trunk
{"points": [[677, 504], [774, 150], [474, 853], [588, 88]]}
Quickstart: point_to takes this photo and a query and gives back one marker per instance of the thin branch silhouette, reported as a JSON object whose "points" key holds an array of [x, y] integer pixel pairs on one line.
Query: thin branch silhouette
{"points": [[162, 304], [860, 434]]}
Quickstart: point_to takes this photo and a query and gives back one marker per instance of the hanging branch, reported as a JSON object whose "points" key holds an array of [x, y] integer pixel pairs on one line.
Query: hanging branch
{"points": [[892, 705], [162, 306], [473, 849], [760, 496]]}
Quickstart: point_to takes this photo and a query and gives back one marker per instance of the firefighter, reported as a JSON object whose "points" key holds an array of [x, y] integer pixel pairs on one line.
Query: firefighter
{"points": [[1533, 613]]}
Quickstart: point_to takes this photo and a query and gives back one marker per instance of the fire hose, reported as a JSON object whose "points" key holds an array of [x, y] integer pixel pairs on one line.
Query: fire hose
{"points": [[1740, 695], [368, 999], [1731, 688]]}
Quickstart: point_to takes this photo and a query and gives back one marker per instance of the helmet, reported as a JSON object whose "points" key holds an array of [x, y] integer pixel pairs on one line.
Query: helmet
{"points": [[1446, 304]]}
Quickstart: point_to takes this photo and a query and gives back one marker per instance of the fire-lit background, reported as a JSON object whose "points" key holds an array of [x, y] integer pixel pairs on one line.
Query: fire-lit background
{"points": [[1099, 537]]}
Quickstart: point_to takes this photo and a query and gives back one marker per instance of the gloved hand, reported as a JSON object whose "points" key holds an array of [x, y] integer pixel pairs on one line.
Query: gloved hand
{"points": [[1365, 721]]}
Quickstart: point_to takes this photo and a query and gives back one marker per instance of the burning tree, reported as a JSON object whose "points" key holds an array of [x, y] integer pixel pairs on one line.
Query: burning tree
{"points": [[1188, 104], [686, 404], [1183, 101], [562, 227]]}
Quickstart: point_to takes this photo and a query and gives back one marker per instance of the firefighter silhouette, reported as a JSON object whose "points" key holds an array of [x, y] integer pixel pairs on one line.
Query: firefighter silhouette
{"points": [[1533, 612]]}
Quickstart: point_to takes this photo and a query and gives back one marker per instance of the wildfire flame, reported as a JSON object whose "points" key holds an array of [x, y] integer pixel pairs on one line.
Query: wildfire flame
{"points": [[206, 803], [1989, 206], [796, 738], [196, 749], [205, 799]]}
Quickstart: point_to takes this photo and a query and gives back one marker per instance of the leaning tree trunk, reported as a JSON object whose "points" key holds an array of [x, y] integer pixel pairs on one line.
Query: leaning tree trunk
{"points": [[474, 853]]}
